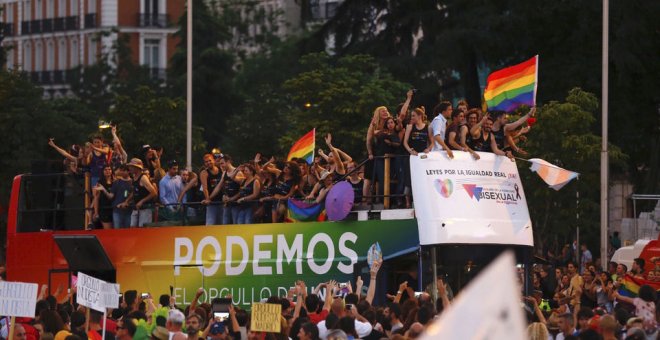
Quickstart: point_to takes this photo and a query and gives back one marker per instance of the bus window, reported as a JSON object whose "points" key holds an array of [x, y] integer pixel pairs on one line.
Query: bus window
{"points": [[50, 201]]}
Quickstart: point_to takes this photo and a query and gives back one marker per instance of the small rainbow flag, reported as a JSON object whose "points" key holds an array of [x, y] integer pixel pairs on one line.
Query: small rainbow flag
{"points": [[513, 86], [630, 286], [304, 147], [301, 211]]}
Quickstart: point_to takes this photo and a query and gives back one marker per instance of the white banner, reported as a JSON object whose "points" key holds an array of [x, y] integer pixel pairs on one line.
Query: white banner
{"points": [[18, 299], [488, 308], [463, 200], [96, 294]]}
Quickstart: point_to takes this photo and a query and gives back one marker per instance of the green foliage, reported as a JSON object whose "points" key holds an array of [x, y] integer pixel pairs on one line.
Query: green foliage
{"points": [[149, 118], [342, 95], [459, 38], [562, 136]]}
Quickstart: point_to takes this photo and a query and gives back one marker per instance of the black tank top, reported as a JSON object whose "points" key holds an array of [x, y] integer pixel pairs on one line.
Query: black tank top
{"points": [[212, 180], [231, 187], [481, 143], [455, 128], [418, 139], [499, 137], [139, 192]]}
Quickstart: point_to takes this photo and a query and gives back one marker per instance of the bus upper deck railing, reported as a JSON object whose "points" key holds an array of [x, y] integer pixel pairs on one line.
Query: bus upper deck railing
{"points": [[71, 195]]}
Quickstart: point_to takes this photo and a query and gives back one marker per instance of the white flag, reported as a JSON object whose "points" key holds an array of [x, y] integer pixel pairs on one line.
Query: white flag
{"points": [[488, 308]]}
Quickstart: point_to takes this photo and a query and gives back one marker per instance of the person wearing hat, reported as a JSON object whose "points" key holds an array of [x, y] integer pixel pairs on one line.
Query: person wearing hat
{"points": [[143, 193], [170, 187]]}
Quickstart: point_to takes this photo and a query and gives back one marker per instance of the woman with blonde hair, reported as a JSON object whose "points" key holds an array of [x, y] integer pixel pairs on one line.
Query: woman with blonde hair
{"points": [[381, 114], [537, 331]]}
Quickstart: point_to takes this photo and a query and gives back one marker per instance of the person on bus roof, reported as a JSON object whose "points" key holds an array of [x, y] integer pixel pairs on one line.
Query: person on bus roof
{"points": [[143, 194]]}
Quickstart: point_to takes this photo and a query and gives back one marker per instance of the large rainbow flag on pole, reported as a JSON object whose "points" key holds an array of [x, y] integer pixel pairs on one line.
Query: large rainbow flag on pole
{"points": [[304, 147], [513, 86]]}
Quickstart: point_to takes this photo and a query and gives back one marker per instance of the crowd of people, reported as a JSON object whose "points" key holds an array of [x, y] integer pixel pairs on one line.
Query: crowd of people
{"points": [[589, 302], [565, 303], [127, 191]]}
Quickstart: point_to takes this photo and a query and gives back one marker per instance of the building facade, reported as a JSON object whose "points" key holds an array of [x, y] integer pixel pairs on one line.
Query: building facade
{"points": [[50, 38]]}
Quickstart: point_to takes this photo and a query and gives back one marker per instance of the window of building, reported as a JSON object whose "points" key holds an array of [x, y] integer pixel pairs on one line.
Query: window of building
{"points": [[50, 9], [92, 51], [75, 53], [38, 9], [91, 6], [61, 8], [9, 8], [50, 55], [27, 11], [73, 7], [152, 53], [151, 6], [10, 59], [38, 56], [61, 55], [27, 57]]}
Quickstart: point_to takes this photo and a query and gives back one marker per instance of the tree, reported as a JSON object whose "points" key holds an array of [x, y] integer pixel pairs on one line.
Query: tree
{"points": [[149, 118], [446, 46], [339, 97], [562, 136]]}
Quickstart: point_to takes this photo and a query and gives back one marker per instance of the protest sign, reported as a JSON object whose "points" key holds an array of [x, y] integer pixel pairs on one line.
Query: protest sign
{"points": [[18, 299], [97, 294], [266, 317], [488, 308]]}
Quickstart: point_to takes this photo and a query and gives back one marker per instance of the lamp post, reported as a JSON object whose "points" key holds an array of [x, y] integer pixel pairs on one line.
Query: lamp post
{"points": [[189, 77], [604, 155]]}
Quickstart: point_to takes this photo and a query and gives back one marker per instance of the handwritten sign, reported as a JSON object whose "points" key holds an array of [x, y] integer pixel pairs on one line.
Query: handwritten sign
{"points": [[97, 294], [266, 317], [18, 299]]}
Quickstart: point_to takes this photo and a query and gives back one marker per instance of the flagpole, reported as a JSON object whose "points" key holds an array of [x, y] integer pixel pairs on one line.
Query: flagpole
{"points": [[604, 155]]}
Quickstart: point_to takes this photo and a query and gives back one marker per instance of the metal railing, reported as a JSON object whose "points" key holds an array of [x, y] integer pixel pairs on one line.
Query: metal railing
{"points": [[153, 20], [7, 29], [47, 25], [91, 20]]}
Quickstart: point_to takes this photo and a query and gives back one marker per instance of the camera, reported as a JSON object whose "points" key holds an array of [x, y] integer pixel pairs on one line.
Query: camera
{"points": [[144, 296], [349, 306]]}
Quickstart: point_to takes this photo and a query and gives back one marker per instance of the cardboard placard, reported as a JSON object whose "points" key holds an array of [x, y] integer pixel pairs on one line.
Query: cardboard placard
{"points": [[97, 294], [18, 298], [266, 317]]}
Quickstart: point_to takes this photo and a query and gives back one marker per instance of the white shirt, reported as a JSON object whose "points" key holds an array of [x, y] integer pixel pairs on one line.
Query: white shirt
{"points": [[439, 126], [362, 328]]}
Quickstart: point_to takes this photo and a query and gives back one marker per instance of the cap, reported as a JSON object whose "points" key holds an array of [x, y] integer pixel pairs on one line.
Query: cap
{"points": [[172, 163], [136, 162]]}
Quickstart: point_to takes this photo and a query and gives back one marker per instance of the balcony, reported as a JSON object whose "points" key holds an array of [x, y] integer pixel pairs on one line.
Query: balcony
{"points": [[25, 27], [90, 20], [71, 23], [58, 25], [47, 25], [158, 73], [35, 26], [153, 20], [7, 29], [56, 77]]}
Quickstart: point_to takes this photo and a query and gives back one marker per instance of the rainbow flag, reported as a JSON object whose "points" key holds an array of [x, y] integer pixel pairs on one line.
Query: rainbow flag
{"points": [[513, 86], [630, 286], [304, 147], [302, 211]]}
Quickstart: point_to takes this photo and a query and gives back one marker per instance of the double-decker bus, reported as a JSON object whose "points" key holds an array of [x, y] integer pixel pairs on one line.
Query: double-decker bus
{"points": [[466, 212]]}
